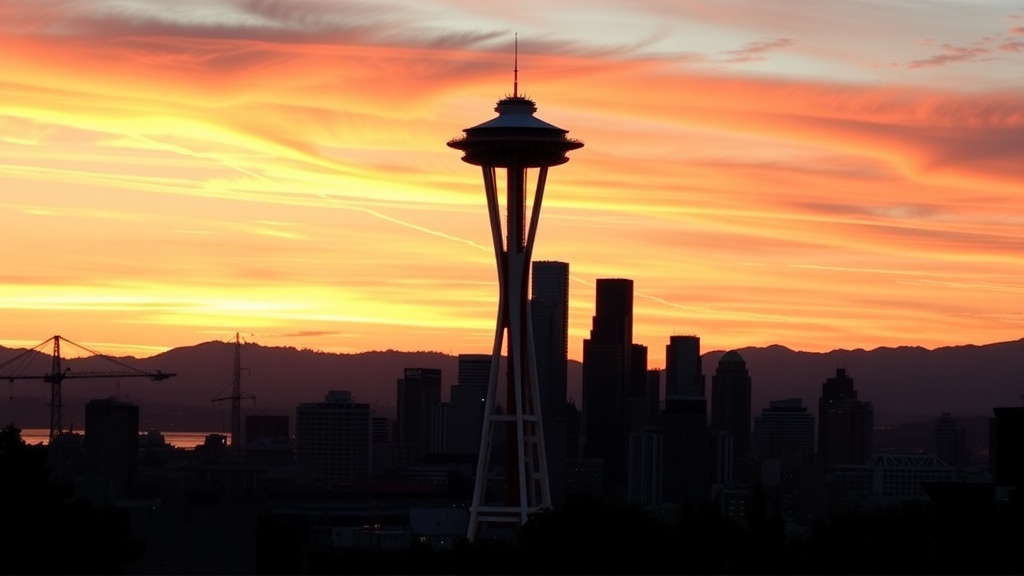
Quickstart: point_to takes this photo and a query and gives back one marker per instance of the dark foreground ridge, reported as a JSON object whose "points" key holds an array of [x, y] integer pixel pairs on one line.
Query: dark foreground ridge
{"points": [[960, 530]]}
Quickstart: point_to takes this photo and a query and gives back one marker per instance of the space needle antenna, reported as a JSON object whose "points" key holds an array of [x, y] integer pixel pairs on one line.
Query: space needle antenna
{"points": [[515, 67]]}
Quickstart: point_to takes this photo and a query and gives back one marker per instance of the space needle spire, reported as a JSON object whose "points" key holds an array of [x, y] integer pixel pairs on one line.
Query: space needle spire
{"points": [[515, 142], [515, 68]]}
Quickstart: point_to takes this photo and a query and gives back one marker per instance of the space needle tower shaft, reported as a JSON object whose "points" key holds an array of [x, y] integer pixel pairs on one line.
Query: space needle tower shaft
{"points": [[515, 141]]}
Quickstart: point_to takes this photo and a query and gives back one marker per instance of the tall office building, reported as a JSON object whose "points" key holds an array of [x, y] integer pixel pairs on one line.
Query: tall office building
{"points": [[266, 427], [845, 424], [382, 448], [473, 370], [419, 393], [684, 420], [653, 394], [466, 404], [268, 439], [684, 375], [950, 441], [1006, 447], [783, 428], [439, 428], [549, 308], [332, 439], [380, 430], [614, 374], [687, 452], [549, 311], [730, 408], [111, 447], [646, 457]]}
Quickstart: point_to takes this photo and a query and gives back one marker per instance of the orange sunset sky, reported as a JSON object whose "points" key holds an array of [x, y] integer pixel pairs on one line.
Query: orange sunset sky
{"points": [[813, 173]]}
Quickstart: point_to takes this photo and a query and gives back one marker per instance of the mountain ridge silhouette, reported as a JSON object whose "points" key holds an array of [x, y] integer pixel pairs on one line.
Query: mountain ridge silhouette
{"points": [[904, 384]]}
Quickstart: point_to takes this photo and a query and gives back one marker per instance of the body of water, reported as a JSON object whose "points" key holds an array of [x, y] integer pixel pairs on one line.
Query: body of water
{"points": [[187, 440]]}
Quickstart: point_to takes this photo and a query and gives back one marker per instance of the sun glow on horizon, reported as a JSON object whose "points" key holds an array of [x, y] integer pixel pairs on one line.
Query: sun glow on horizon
{"points": [[765, 175]]}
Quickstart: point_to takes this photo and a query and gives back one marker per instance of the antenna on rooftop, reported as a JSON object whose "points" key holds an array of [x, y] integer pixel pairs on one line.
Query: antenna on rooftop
{"points": [[515, 69]]}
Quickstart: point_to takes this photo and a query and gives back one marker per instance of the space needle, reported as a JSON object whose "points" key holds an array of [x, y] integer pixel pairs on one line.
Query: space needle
{"points": [[514, 141]]}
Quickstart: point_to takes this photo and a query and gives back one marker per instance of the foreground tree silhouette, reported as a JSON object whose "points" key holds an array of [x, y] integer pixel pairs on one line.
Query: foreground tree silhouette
{"points": [[593, 536], [46, 530]]}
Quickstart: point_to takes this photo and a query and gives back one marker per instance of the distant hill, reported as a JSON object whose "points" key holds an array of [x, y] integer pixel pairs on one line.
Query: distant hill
{"points": [[905, 384]]}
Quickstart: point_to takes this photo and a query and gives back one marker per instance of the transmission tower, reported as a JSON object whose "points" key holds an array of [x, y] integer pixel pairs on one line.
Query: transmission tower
{"points": [[236, 398]]}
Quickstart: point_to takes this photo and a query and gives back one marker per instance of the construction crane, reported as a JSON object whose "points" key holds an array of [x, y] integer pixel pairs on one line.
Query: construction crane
{"points": [[236, 399], [57, 376]]}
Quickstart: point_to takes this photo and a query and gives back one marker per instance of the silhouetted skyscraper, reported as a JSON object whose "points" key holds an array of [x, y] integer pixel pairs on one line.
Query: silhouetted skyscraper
{"points": [[614, 375], [267, 439], [419, 394], [783, 428], [549, 306], [845, 424], [950, 441], [684, 375], [112, 447], [684, 420], [549, 309], [730, 407], [467, 398], [687, 452], [266, 426], [653, 394], [646, 455], [1006, 447], [332, 439]]}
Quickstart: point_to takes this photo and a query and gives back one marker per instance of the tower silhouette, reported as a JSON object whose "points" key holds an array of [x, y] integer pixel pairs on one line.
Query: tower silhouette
{"points": [[514, 141]]}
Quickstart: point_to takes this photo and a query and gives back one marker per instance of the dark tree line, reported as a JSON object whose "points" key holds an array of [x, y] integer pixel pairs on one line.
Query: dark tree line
{"points": [[46, 529], [593, 537]]}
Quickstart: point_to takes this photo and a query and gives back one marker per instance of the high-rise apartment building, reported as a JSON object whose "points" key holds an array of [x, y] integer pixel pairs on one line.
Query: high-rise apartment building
{"points": [[646, 456], [687, 452], [950, 441], [466, 404], [111, 447], [614, 375], [653, 393], [419, 394], [268, 439], [684, 375], [845, 424], [730, 404], [266, 427], [783, 428], [1006, 447], [332, 439], [684, 420], [549, 311], [549, 308]]}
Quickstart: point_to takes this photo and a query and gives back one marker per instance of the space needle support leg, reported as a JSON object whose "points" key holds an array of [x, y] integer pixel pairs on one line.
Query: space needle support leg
{"points": [[483, 458], [542, 460], [519, 356]]}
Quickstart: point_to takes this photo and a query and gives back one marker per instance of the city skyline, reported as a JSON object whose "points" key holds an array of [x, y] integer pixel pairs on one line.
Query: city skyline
{"points": [[821, 176]]}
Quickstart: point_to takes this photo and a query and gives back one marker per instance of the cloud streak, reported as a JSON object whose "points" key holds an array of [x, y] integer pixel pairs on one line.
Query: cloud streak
{"points": [[281, 168], [757, 51]]}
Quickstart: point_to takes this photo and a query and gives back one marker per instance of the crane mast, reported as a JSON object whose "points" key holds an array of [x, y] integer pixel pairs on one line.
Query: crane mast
{"points": [[56, 399]]}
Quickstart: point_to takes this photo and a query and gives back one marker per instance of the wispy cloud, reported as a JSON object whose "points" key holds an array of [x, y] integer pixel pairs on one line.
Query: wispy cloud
{"points": [[952, 54], [757, 51]]}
